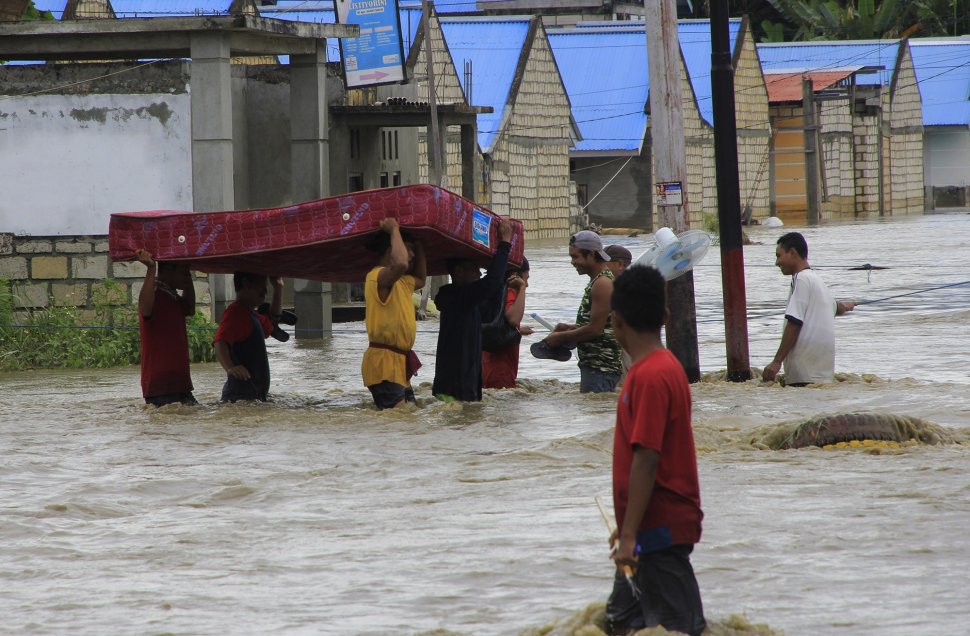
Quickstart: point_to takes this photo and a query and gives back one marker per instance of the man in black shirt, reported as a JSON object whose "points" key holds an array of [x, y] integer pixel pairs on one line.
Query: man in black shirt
{"points": [[462, 306]]}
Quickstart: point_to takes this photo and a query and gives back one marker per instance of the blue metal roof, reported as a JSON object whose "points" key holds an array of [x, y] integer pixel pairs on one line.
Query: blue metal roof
{"points": [[494, 48], [607, 97], [943, 74], [832, 56], [695, 43]]}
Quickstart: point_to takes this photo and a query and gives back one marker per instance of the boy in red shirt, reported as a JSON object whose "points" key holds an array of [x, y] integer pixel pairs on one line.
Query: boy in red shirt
{"points": [[240, 340], [656, 494], [162, 311], [500, 368]]}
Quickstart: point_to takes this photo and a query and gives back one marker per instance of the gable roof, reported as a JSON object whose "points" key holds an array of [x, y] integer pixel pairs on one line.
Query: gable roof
{"points": [[832, 56], [495, 47], [607, 98], [943, 73]]}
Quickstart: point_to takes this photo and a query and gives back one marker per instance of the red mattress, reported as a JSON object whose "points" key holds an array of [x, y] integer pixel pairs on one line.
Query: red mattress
{"points": [[321, 240]]}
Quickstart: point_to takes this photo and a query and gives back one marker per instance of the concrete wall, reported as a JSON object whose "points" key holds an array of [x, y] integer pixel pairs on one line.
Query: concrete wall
{"points": [[628, 200], [754, 128], [74, 155], [535, 147], [838, 178], [59, 271], [904, 172]]}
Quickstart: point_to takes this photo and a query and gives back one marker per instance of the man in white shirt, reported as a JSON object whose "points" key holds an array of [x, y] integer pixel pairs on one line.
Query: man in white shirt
{"points": [[807, 346]]}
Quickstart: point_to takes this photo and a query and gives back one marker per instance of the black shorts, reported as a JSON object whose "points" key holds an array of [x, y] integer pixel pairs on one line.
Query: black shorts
{"points": [[388, 394], [669, 595], [161, 400]]}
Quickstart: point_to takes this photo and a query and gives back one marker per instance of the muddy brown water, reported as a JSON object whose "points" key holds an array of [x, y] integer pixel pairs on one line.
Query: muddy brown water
{"points": [[318, 515]]}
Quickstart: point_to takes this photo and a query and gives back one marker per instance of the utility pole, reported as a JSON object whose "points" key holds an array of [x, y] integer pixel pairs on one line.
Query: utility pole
{"points": [[434, 133], [670, 165], [810, 126], [728, 196]]}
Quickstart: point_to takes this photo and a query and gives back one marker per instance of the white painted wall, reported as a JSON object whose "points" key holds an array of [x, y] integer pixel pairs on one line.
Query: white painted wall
{"points": [[68, 161], [946, 156]]}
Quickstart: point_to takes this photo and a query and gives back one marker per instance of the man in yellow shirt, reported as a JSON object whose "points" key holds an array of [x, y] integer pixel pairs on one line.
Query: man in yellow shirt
{"points": [[389, 361]]}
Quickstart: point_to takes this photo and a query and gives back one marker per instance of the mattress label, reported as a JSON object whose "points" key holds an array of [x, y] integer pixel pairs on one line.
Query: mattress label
{"points": [[481, 228]]}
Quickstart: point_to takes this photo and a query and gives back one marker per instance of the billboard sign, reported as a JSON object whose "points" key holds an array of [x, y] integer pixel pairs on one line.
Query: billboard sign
{"points": [[377, 56]]}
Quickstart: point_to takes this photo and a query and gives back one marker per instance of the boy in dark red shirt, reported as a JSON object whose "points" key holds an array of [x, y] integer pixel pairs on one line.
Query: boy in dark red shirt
{"points": [[656, 494], [162, 311], [501, 368], [240, 340]]}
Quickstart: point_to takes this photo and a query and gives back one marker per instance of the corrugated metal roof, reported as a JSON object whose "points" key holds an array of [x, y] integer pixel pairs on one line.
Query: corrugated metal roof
{"points": [[695, 43], [787, 87], [830, 56], [607, 97], [943, 73], [494, 48]]}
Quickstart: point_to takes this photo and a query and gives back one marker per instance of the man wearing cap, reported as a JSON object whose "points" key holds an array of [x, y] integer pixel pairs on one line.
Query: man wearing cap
{"points": [[600, 361], [620, 259]]}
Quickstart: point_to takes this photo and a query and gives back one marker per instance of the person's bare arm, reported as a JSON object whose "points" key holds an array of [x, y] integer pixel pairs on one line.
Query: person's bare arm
{"points": [[599, 312], [237, 371], [788, 339], [420, 270], [276, 307], [643, 473], [398, 265], [843, 307], [146, 298], [515, 311]]}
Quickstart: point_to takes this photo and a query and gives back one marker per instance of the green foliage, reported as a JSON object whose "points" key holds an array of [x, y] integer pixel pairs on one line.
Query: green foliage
{"points": [[32, 13], [844, 19], [69, 337], [711, 223]]}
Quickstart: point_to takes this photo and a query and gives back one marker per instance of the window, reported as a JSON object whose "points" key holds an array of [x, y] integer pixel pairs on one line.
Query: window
{"points": [[356, 182], [397, 178], [383, 179], [396, 155], [355, 143]]}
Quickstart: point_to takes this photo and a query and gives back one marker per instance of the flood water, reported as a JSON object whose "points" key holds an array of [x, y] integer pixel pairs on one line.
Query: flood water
{"points": [[316, 514]]}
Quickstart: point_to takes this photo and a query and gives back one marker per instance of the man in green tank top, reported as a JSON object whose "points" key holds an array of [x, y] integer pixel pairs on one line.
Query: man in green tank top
{"points": [[600, 357]]}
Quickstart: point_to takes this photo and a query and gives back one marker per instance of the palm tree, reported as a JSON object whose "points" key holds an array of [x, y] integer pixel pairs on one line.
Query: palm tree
{"points": [[844, 19]]}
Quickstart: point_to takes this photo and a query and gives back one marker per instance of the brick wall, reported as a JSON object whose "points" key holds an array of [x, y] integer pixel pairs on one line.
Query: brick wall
{"points": [[905, 171], [754, 129], [69, 271]]}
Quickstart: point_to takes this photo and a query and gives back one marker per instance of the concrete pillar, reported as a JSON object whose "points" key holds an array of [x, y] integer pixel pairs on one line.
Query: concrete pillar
{"points": [[310, 174], [212, 158], [469, 169]]}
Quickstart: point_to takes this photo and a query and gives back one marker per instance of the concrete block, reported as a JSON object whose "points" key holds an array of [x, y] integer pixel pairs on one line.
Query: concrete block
{"points": [[127, 269], [13, 268], [72, 247], [48, 267], [30, 295], [34, 247], [6, 243], [89, 267], [101, 247], [116, 294], [69, 294]]}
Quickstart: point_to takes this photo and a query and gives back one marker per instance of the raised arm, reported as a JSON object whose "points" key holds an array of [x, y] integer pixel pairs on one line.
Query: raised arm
{"points": [[398, 265], [146, 298]]}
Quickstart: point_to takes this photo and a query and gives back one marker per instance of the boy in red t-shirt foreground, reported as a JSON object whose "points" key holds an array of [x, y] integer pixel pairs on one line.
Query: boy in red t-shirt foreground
{"points": [[656, 494], [240, 340]]}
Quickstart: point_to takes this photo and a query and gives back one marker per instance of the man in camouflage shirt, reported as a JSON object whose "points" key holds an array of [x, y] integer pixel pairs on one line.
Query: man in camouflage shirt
{"points": [[600, 357]]}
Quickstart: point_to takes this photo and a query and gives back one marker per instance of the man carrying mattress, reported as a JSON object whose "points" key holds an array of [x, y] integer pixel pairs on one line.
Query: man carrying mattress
{"points": [[389, 361]]}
